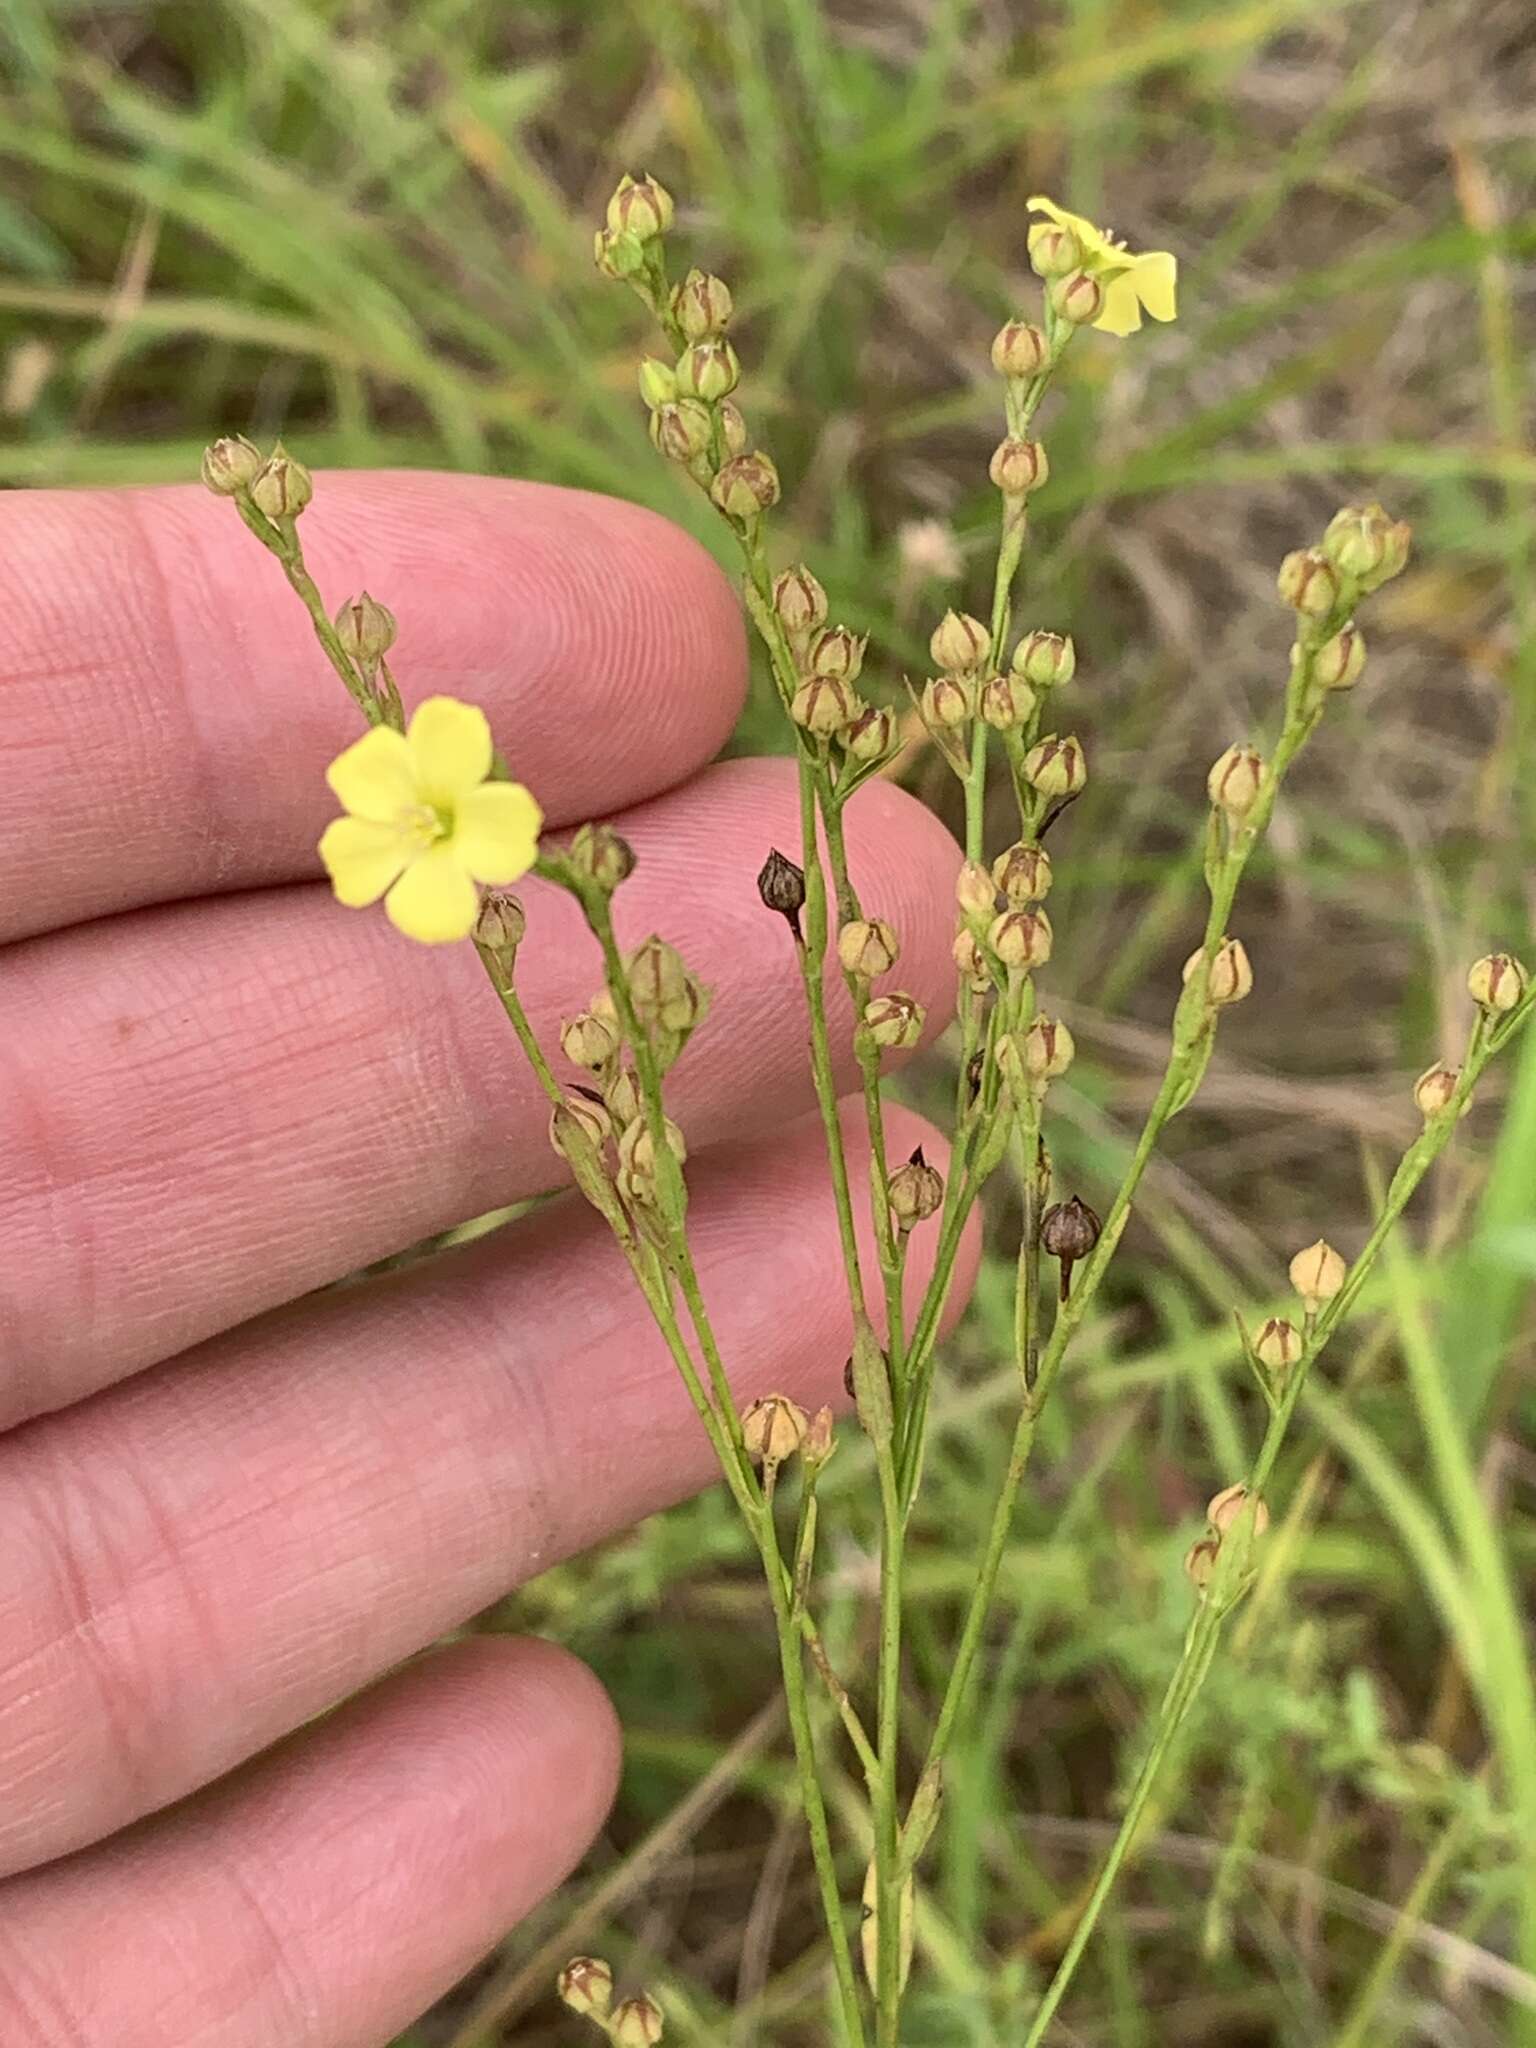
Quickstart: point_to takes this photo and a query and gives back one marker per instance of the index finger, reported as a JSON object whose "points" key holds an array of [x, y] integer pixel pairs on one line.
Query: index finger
{"points": [[169, 714]]}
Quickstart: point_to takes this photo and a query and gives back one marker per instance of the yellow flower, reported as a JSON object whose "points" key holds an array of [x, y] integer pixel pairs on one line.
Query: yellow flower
{"points": [[424, 824], [1130, 282]]}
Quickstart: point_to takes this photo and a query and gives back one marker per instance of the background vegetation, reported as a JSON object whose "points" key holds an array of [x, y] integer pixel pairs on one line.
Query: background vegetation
{"points": [[367, 223]]}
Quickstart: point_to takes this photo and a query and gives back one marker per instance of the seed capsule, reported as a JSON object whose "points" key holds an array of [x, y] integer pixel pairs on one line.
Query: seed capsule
{"points": [[1057, 767], [681, 430], [603, 855], [976, 894], [867, 948], [637, 2023], [1053, 251], [1018, 467], [946, 704], [1069, 1231], [872, 735], [701, 305], [231, 465], [1045, 659], [640, 207], [1308, 583], [1435, 1089], [1339, 663], [1227, 1505], [500, 926], [586, 1986], [894, 1022], [1497, 982], [588, 1041], [837, 654], [1021, 938], [1235, 780], [1278, 1345], [823, 706], [960, 644], [1078, 297], [1200, 1563], [1048, 1049], [773, 1429], [1007, 702], [282, 487], [1231, 975], [916, 1191], [747, 486], [1019, 350], [800, 601], [1023, 873], [781, 885], [1317, 1274]]}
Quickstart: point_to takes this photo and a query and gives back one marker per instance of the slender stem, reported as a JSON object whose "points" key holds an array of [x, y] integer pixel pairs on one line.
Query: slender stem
{"points": [[888, 1872]]}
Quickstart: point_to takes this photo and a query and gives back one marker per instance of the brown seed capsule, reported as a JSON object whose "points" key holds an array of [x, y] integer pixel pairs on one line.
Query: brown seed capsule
{"points": [[1308, 584], [1045, 659], [366, 629], [1057, 767], [1023, 873], [1021, 938], [960, 644], [681, 430], [637, 1147], [916, 1191], [1077, 297], [282, 487], [581, 1119], [1227, 1505], [1235, 780], [1019, 350], [894, 1022], [1435, 1089], [1007, 702], [588, 1041], [1069, 1231], [640, 207], [747, 486], [1231, 975], [872, 735], [976, 895], [837, 653], [867, 948], [781, 885], [701, 305], [1200, 1563], [1497, 982], [800, 601], [586, 1986], [231, 465], [500, 926], [637, 2023], [1317, 1274], [1048, 1049], [946, 704], [603, 856], [1278, 1345], [773, 1429], [823, 706], [1019, 467], [1340, 662]]}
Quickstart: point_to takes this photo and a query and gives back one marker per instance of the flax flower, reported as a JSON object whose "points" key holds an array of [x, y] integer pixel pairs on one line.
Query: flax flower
{"points": [[1130, 282], [423, 824]]}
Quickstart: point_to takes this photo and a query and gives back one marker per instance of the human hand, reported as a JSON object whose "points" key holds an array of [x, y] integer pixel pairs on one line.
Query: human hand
{"points": [[229, 1503]]}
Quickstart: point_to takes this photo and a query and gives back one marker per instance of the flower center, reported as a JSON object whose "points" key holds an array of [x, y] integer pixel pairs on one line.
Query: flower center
{"points": [[422, 825]]}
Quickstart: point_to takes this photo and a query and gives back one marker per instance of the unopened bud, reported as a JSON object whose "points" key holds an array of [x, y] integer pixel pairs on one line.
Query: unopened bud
{"points": [[1021, 938], [820, 1440], [867, 948], [701, 305], [1231, 975], [1278, 1345], [894, 1022], [663, 992], [734, 433], [1338, 663], [637, 2023], [1053, 251], [1007, 702], [640, 207], [681, 430], [588, 1041], [976, 895], [1018, 467], [366, 629], [282, 487], [1045, 659], [970, 959], [1019, 350], [1068, 1232], [618, 255], [872, 735], [800, 602], [1307, 583], [1497, 982], [837, 653], [1359, 541], [709, 370], [1200, 1563], [916, 1191], [746, 486], [823, 706], [1048, 1049], [1078, 297], [773, 1429], [599, 853], [1235, 780], [658, 382], [1223, 1511], [578, 1122], [1056, 767], [946, 704], [500, 925], [781, 885], [960, 644], [586, 1986], [1317, 1274], [1435, 1089], [231, 465]]}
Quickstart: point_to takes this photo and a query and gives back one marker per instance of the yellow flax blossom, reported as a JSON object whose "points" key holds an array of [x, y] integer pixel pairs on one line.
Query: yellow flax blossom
{"points": [[424, 825], [1130, 282]]}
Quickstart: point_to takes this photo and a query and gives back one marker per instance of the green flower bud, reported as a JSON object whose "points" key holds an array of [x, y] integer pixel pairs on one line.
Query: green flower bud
{"points": [[1078, 298], [773, 1429], [1007, 702], [636, 2023], [640, 207], [916, 1192], [366, 629], [1054, 252], [1045, 659], [681, 431], [872, 735], [1435, 1089], [658, 382], [1018, 467], [867, 948], [1497, 983], [1023, 873], [823, 705], [1277, 1346], [800, 602], [1019, 350], [1235, 780], [747, 486], [618, 255], [1021, 938], [589, 1041], [709, 370], [1361, 541], [701, 305], [231, 465], [1231, 975], [733, 427], [1308, 584], [960, 644], [586, 1986], [947, 704], [1338, 663], [599, 853], [283, 486], [1057, 767], [1318, 1274], [838, 653], [894, 1022]]}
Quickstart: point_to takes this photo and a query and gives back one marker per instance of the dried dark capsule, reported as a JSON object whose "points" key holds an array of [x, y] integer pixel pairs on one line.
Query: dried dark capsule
{"points": [[781, 885], [1069, 1231]]}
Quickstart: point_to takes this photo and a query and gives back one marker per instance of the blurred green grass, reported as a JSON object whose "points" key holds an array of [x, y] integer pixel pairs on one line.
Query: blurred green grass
{"points": [[367, 226]]}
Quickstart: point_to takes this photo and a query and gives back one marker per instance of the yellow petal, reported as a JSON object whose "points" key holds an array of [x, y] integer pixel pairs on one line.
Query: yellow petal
{"points": [[1156, 280], [375, 777], [362, 858], [1093, 242], [450, 744], [496, 831], [1122, 308], [434, 900]]}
